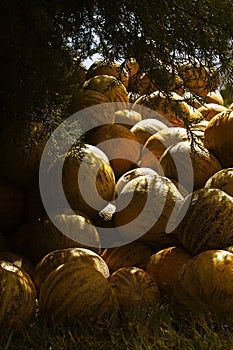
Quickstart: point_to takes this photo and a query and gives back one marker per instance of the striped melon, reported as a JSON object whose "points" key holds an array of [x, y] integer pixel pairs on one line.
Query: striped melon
{"points": [[145, 128], [164, 266], [189, 164], [132, 174], [11, 206], [134, 287], [114, 69], [133, 254], [171, 106], [218, 137], [207, 220], [75, 292], [17, 299], [88, 182], [96, 115], [61, 256], [222, 180], [109, 86], [36, 238], [119, 144], [206, 283], [159, 142], [146, 210]]}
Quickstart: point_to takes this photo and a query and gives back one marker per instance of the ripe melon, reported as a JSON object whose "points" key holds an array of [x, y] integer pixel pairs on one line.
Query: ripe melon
{"points": [[61, 256], [17, 299], [189, 164], [171, 106], [146, 210], [38, 237], [207, 220], [73, 292], [133, 254], [119, 144], [109, 86], [218, 137], [222, 180], [134, 287], [164, 266], [146, 128], [206, 283]]}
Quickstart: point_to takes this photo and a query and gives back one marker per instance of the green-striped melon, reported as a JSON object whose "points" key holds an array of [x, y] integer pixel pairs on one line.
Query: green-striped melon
{"points": [[205, 282], [222, 180], [114, 69], [189, 164], [164, 266], [38, 237], [88, 189], [133, 254], [73, 292], [109, 86], [218, 137], [171, 106], [146, 128], [61, 256], [134, 287], [207, 220], [17, 299], [146, 210], [119, 144]]}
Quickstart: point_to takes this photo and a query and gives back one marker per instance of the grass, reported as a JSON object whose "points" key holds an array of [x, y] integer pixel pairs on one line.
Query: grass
{"points": [[138, 330]]}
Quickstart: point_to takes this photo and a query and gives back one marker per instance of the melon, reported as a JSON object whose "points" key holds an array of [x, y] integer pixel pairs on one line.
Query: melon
{"points": [[127, 117], [119, 144], [38, 237], [164, 266], [109, 86], [218, 137], [146, 210], [206, 283], [132, 174], [17, 299], [158, 143], [207, 220], [88, 182], [209, 110], [73, 292], [133, 254], [19, 260], [222, 180], [171, 106], [114, 69], [189, 164], [134, 287], [61, 256], [147, 127]]}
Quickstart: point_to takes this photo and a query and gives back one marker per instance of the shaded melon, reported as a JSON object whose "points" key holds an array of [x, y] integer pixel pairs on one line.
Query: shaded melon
{"points": [[75, 292], [134, 287]]}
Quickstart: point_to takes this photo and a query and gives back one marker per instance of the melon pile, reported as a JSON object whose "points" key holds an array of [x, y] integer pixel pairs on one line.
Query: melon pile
{"points": [[149, 205]]}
